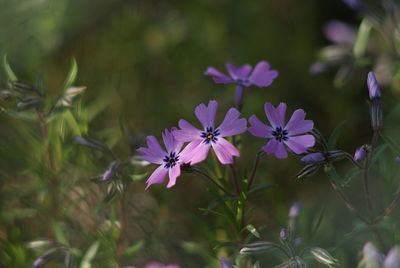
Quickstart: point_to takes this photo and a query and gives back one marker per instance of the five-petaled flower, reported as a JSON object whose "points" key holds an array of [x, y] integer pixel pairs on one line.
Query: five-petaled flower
{"points": [[244, 76], [261, 76], [169, 160], [200, 141], [281, 133]]}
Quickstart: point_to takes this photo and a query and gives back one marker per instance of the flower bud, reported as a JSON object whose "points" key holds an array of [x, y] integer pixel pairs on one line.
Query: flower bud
{"points": [[294, 210], [371, 256], [313, 158], [361, 153], [373, 87], [284, 234]]}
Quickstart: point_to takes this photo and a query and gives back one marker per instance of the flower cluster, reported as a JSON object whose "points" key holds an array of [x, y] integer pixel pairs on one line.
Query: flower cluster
{"points": [[213, 136]]}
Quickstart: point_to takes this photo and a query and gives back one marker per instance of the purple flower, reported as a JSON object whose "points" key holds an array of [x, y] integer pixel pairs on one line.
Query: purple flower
{"points": [[397, 159], [392, 259], [313, 158], [373, 87], [281, 133], [159, 265], [225, 263], [168, 160], [354, 4], [244, 76], [200, 141], [261, 76], [339, 32]]}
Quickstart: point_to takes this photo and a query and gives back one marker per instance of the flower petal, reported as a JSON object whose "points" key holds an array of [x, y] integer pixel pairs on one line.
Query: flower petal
{"points": [[275, 147], [195, 152], [300, 144], [297, 124], [276, 116], [187, 132], [238, 73], [206, 114], [154, 153], [262, 76], [217, 76], [157, 176], [170, 142], [258, 128], [232, 125], [174, 173], [225, 151]]}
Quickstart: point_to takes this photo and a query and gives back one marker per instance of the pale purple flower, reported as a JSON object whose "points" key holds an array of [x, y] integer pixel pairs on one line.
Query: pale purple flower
{"points": [[225, 263], [339, 32], [201, 140], [159, 265], [373, 87], [283, 134], [294, 210], [397, 159], [392, 259], [260, 76], [313, 158], [244, 76], [169, 160]]}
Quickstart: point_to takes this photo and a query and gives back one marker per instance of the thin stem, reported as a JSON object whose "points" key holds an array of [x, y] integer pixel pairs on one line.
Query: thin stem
{"points": [[255, 167], [388, 210], [366, 188], [351, 159], [348, 204], [213, 181], [235, 179]]}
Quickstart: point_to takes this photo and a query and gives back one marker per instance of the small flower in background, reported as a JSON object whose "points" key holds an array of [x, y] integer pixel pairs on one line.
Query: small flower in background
{"points": [[159, 265], [354, 4], [169, 160], [294, 210], [397, 159], [361, 153], [260, 76], [225, 263], [392, 259], [244, 76], [339, 54], [339, 32], [283, 134], [200, 141], [313, 158]]}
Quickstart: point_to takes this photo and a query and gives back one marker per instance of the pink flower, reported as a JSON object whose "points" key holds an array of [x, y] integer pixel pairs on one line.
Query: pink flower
{"points": [[200, 141]]}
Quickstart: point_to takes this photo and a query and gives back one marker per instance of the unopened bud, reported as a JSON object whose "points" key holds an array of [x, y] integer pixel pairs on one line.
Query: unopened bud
{"points": [[294, 210], [313, 158], [360, 154], [284, 234], [373, 87]]}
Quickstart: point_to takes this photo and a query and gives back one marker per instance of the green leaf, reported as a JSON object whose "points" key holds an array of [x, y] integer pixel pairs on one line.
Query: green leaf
{"points": [[361, 42], [252, 230], [393, 145], [259, 187], [89, 255], [60, 238], [333, 138], [7, 69], [71, 77], [134, 248]]}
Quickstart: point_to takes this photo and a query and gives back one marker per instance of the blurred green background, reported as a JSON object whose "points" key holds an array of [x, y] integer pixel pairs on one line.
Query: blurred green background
{"points": [[143, 62]]}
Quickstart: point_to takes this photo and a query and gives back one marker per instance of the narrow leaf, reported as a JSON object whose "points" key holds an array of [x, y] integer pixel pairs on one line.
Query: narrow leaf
{"points": [[7, 69], [71, 77]]}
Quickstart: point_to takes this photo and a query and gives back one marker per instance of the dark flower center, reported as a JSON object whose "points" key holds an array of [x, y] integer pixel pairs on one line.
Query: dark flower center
{"points": [[170, 160], [241, 81], [210, 135], [280, 134]]}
